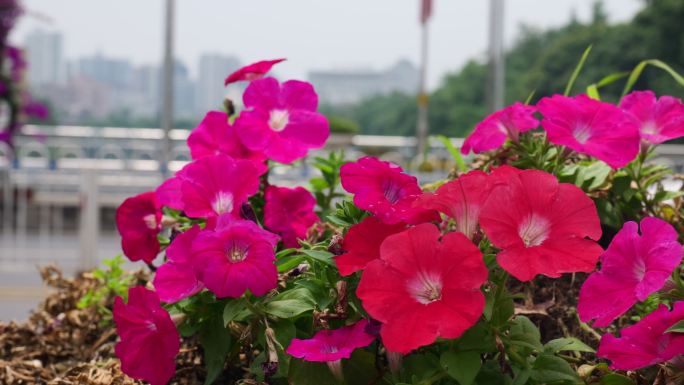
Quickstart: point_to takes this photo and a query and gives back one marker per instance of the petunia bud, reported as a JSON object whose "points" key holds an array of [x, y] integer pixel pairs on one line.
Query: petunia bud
{"points": [[336, 369], [270, 367], [335, 245], [394, 360]]}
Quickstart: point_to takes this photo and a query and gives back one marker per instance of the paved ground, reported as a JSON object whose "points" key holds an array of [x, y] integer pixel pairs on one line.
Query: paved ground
{"points": [[20, 286]]}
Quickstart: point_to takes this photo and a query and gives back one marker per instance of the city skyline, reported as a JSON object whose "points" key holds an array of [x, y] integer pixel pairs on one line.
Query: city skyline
{"points": [[310, 34]]}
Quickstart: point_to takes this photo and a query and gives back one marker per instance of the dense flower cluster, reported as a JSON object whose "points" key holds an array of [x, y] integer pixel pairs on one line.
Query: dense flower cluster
{"points": [[400, 268]]}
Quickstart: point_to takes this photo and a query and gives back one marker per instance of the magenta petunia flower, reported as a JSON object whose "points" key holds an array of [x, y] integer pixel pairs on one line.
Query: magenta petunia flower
{"points": [[169, 192], [385, 190], [234, 257], [362, 244], [281, 119], [633, 267], [540, 225], [332, 345], [214, 135], [424, 286], [289, 212], [504, 124], [149, 339], [176, 279], [591, 127], [216, 185], [138, 220], [253, 71], [659, 120], [646, 342], [460, 199]]}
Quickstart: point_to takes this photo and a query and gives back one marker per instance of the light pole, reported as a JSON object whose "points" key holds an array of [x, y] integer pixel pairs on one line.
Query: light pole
{"points": [[167, 88], [496, 55], [422, 127]]}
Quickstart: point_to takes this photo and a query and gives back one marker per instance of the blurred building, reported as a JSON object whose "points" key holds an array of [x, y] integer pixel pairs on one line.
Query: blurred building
{"points": [[340, 87], [44, 53], [183, 92], [213, 69]]}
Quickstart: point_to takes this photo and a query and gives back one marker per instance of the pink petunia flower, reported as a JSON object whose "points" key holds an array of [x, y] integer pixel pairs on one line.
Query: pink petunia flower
{"points": [[176, 279], [138, 220], [659, 120], [289, 212], [423, 287], [591, 127], [149, 339], [362, 244], [385, 190], [646, 342], [540, 226], [633, 267], [504, 124], [234, 257], [214, 135], [460, 199], [281, 119], [332, 345], [252, 72], [169, 192], [216, 185]]}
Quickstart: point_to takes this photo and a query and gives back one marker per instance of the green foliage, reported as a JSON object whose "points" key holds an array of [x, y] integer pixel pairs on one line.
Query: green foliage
{"points": [[215, 340], [325, 187], [115, 282], [342, 125]]}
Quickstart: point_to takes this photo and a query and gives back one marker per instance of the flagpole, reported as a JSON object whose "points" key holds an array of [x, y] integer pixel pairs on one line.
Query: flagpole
{"points": [[496, 55], [422, 127]]}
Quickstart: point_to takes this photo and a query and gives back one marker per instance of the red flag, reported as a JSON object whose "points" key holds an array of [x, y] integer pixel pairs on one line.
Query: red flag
{"points": [[425, 10]]}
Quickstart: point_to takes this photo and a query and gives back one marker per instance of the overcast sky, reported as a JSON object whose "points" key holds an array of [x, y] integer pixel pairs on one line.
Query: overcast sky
{"points": [[312, 34]]}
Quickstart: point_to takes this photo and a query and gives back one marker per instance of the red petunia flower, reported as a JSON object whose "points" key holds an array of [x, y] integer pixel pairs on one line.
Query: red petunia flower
{"points": [[422, 287], [541, 226], [646, 342], [149, 339], [385, 190], [216, 185], [362, 244], [138, 220], [633, 267], [214, 135], [591, 127], [506, 123], [659, 120], [281, 119], [234, 257], [460, 199], [251, 72], [289, 212], [176, 279]]}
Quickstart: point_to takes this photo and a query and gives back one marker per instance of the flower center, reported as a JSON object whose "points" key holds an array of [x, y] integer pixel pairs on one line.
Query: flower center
{"points": [[223, 202], [151, 326], [426, 288], [649, 128], [534, 230], [236, 254], [150, 221], [582, 133], [391, 191], [278, 119], [329, 349], [639, 268]]}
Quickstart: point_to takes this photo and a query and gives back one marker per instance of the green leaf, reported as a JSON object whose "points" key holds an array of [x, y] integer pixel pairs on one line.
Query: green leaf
{"points": [[215, 341], [289, 262], [232, 309], [421, 366], [636, 73], [291, 303], [359, 369], [549, 369], [461, 366], [454, 152], [524, 333], [676, 328], [616, 379], [576, 72], [320, 255], [593, 92], [478, 338], [567, 344]]}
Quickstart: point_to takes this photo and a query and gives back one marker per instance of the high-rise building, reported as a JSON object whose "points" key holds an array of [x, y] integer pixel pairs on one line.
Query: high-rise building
{"points": [[44, 55], [116, 73], [213, 69], [340, 87]]}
